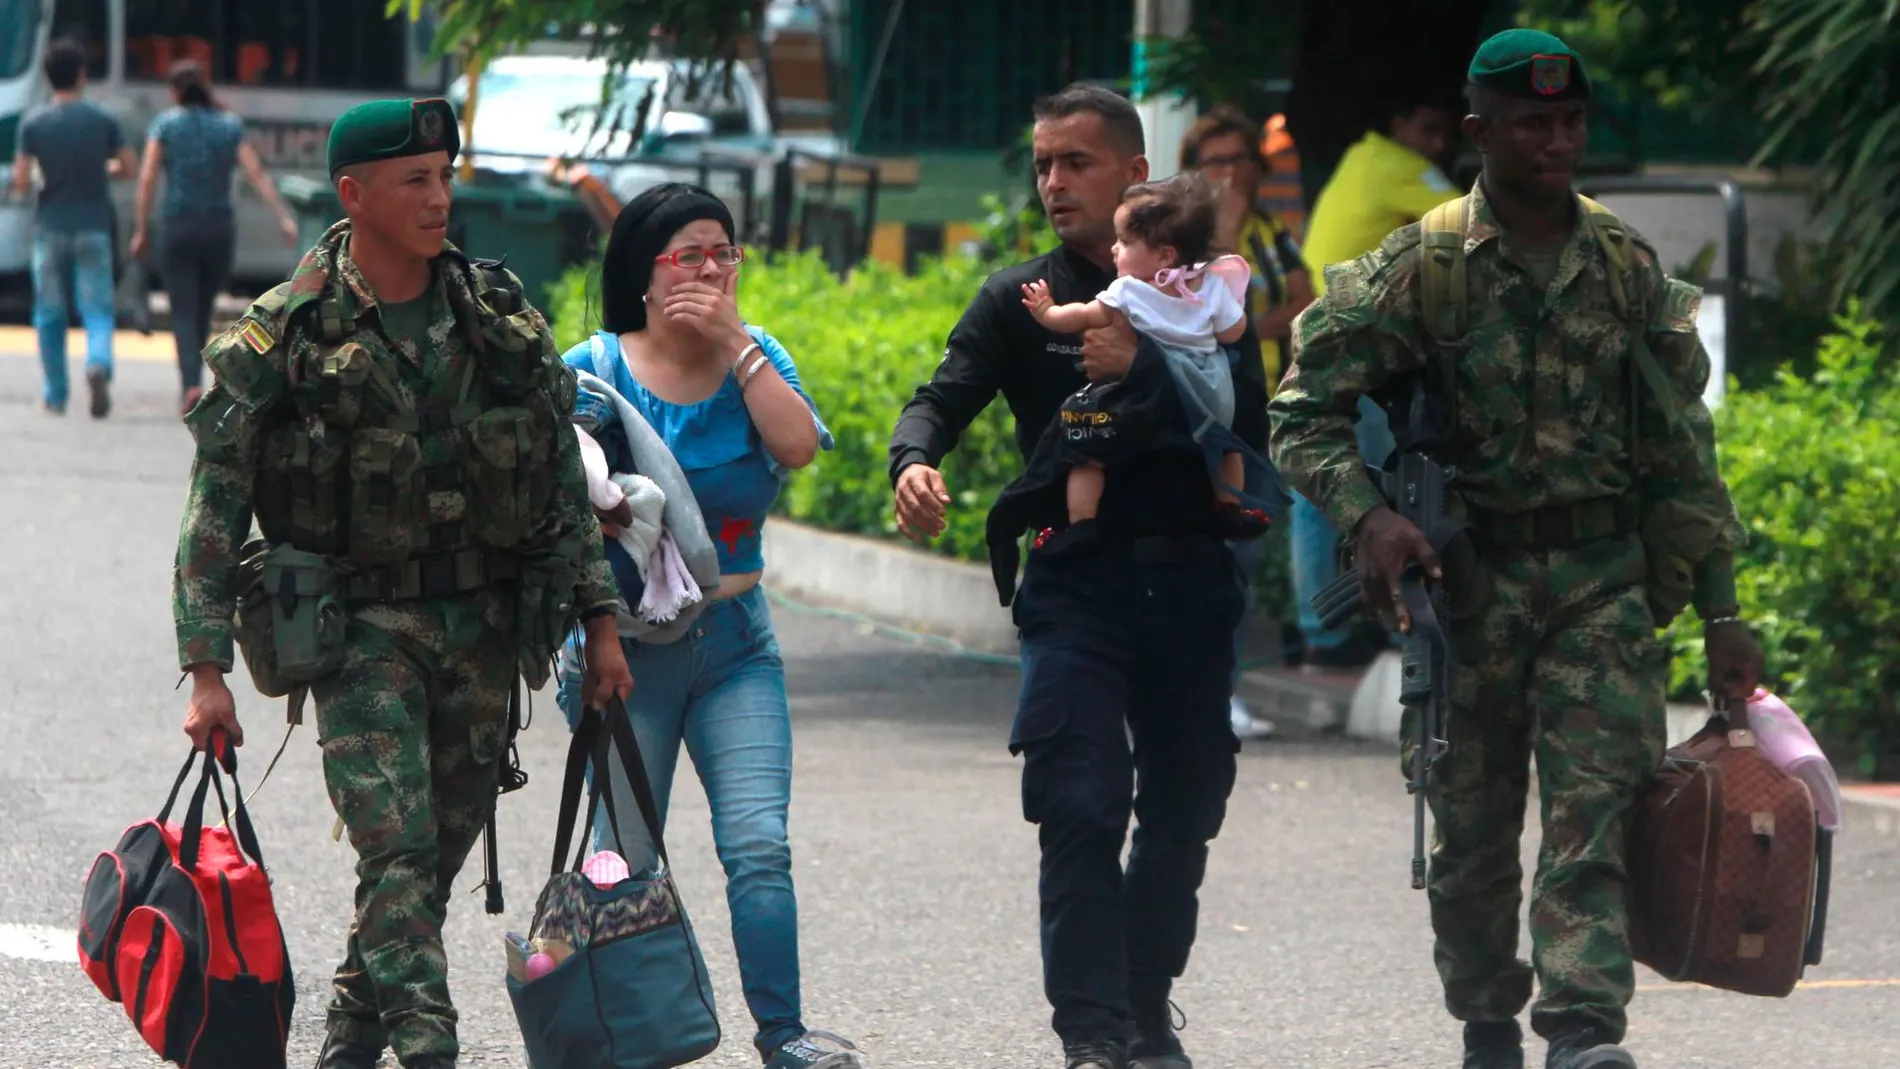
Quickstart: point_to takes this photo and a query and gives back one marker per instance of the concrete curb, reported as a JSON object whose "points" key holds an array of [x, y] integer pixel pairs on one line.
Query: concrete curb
{"points": [[1373, 713], [956, 600], [907, 587]]}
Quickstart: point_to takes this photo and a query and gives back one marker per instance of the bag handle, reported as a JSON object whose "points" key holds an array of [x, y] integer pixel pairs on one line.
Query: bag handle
{"points": [[620, 725], [579, 749], [192, 833]]}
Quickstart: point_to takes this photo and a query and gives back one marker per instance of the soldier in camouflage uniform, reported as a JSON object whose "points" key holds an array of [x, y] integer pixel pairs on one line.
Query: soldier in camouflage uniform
{"points": [[396, 418], [1588, 531]]}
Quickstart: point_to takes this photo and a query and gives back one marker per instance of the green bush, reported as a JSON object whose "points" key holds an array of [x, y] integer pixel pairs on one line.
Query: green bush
{"points": [[1814, 467]]}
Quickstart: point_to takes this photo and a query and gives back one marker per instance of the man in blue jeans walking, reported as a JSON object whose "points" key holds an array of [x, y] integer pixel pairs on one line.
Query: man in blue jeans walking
{"points": [[78, 149]]}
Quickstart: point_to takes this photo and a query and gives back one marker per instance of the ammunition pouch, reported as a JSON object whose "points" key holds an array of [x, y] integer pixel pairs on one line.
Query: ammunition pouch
{"points": [[1676, 537], [432, 575], [544, 613], [290, 620]]}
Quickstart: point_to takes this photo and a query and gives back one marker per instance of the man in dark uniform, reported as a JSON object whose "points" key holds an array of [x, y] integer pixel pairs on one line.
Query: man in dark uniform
{"points": [[1133, 635]]}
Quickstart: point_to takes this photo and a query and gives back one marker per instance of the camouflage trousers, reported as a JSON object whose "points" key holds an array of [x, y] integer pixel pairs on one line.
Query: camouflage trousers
{"points": [[412, 726], [1562, 664]]}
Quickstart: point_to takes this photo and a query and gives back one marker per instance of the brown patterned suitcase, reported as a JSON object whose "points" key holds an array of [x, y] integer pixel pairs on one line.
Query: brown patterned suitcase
{"points": [[1728, 867]]}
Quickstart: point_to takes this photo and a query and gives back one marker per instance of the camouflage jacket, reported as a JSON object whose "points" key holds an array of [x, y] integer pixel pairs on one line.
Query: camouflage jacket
{"points": [[1543, 395], [256, 364]]}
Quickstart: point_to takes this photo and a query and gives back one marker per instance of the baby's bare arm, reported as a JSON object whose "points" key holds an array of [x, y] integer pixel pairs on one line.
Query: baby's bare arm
{"points": [[1076, 318]]}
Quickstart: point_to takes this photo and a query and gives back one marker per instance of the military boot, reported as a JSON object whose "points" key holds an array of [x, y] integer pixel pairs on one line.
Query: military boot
{"points": [[1094, 1054], [1494, 1045], [1587, 1050], [339, 1054], [1153, 1044]]}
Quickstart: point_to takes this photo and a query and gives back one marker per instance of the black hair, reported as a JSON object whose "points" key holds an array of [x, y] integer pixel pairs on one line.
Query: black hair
{"points": [[65, 62], [1119, 118], [1178, 211], [189, 82], [641, 230]]}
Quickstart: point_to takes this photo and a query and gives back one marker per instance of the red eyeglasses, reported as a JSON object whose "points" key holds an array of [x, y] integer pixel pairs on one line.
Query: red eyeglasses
{"points": [[695, 256]]}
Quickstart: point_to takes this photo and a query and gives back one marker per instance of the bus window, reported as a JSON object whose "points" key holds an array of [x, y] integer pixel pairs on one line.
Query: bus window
{"points": [[358, 46], [19, 32], [354, 45], [84, 21], [159, 33], [269, 43]]}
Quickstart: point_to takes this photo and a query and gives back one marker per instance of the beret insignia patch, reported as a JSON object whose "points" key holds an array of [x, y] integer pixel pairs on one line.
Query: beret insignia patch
{"points": [[1550, 75]]}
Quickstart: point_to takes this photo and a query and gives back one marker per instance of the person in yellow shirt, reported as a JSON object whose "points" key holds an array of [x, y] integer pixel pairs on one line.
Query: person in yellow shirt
{"points": [[1384, 181], [1224, 146]]}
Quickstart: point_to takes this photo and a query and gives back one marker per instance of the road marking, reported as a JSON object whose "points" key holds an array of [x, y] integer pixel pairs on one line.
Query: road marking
{"points": [[1804, 985], [36, 942], [155, 348]]}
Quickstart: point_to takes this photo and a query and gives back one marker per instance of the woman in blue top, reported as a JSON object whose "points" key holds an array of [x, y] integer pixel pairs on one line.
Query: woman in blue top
{"points": [[725, 399], [196, 143]]}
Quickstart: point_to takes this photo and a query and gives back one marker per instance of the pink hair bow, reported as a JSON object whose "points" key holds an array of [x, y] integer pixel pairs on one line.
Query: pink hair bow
{"points": [[1231, 270]]}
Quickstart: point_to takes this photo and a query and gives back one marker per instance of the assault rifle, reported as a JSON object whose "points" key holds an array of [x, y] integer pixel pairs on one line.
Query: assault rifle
{"points": [[1416, 487]]}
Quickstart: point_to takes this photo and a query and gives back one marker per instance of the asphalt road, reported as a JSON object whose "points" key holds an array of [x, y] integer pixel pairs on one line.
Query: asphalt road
{"points": [[916, 874]]}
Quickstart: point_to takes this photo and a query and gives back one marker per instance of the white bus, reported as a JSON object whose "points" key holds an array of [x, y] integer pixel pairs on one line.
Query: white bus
{"points": [[288, 68]]}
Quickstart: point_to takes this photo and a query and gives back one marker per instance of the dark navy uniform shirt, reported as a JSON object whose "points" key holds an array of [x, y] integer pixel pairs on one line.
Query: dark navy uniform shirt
{"points": [[998, 347]]}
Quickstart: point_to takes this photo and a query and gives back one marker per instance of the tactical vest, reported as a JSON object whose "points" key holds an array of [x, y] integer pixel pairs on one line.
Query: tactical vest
{"points": [[1443, 303], [1675, 534], [419, 499]]}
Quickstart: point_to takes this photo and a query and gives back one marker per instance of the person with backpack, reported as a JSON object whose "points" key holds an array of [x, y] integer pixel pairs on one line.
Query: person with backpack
{"points": [[396, 419], [1567, 379]]}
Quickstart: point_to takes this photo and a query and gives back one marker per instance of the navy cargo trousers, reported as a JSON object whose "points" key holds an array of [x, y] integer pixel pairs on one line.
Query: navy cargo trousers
{"points": [[1127, 656]]}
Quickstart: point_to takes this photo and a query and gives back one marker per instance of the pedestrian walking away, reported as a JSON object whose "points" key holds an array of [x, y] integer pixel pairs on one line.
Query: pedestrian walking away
{"points": [[195, 144], [77, 149], [719, 422], [364, 400], [1585, 464], [1132, 636]]}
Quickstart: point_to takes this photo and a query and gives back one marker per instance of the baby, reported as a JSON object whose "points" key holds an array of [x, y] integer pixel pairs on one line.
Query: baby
{"points": [[1160, 228]]}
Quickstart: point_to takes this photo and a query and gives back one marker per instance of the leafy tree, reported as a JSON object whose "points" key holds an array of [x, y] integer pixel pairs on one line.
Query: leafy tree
{"points": [[1679, 53], [710, 33], [1824, 75]]}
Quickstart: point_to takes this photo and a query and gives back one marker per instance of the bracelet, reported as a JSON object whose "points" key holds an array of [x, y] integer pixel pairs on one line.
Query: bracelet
{"points": [[1722, 620], [745, 378], [740, 359]]}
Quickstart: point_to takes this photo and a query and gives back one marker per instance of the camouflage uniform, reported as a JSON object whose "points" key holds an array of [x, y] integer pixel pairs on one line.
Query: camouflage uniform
{"points": [[413, 719], [1562, 661]]}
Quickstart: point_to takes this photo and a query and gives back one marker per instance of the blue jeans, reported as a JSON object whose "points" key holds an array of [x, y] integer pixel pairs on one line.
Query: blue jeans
{"points": [[84, 258], [1248, 556], [720, 690], [1315, 541]]}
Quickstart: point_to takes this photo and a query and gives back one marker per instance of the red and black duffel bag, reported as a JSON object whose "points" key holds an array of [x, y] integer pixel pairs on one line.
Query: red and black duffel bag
{"points": [[177, 925]]}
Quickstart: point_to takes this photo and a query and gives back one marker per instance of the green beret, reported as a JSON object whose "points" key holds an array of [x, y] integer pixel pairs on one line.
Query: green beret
{"points": [[392, 129], [1531, 64]]}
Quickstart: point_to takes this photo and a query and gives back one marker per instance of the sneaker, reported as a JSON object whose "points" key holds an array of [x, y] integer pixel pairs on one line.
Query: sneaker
{"points": [[189, 399], [1585, 1050], [1494, 1045], [816, 1050], [101, 394], [1247, 725], [52, 409], [1095, 1054]]}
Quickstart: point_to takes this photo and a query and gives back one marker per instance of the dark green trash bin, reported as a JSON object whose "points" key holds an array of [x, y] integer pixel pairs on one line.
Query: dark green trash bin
{"points": [[537, 232]]}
